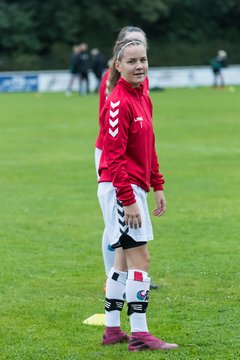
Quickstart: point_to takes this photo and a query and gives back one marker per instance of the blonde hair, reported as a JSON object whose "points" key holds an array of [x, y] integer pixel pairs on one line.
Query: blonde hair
{"points": [[128, 30]]}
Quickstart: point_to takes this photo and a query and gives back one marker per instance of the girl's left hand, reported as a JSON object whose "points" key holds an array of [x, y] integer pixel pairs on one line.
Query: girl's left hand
{"points": [[161, 203]]}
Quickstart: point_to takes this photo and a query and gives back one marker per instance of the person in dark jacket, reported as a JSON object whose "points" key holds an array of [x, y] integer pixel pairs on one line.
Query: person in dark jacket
{"points": [[73, 68], [99, 64], [83, 68], [217, 64]]}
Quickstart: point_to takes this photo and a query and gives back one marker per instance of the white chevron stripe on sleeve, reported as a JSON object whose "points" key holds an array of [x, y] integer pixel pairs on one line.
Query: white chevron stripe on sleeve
{"points": [[113, 105], [113, 123], [114, 113], [113, 133]]}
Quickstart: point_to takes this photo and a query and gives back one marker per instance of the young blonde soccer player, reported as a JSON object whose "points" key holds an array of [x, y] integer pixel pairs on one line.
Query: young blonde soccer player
{"points": [[128, 168], [128, 32]]}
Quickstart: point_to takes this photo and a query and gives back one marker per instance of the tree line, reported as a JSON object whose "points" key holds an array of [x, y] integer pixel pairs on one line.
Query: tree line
{"points": [[38, 34]]}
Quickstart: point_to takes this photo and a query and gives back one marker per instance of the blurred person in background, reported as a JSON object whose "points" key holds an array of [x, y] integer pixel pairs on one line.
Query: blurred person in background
{"points": [[217, 64], [83, 68], [73, 69], [98, 65]]}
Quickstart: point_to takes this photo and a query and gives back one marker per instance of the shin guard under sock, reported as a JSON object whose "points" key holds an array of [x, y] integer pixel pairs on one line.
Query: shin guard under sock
{"points": [[137, 294], [115, 296]]}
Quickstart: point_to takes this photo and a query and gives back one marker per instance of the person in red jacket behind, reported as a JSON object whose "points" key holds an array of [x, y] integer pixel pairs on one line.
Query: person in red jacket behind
{"points": [[128, 168], [127, 32]]}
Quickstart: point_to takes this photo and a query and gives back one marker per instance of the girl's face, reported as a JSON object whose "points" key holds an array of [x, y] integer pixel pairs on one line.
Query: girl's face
{"points": [[133, 65]]}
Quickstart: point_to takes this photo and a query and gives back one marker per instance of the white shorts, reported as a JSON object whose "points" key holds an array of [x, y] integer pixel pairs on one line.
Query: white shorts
{"points": [[98, 153], [113, 214]]}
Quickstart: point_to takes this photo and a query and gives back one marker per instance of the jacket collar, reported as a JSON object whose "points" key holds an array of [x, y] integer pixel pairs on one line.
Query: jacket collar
{"points": [[137, 90]]}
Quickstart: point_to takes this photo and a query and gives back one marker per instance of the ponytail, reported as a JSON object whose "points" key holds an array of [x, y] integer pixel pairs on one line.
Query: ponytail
{"points": [[113, 78]]}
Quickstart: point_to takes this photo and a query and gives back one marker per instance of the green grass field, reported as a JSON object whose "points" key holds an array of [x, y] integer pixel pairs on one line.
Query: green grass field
{"points": [[51, 270]]}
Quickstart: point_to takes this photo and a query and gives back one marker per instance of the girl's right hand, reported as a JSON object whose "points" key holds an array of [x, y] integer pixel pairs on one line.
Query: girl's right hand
{"points": [[133, 216]]}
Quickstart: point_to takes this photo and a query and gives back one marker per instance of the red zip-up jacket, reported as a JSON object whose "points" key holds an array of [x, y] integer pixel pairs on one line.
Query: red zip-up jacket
{"points": [[129, 155], [102, 100]]}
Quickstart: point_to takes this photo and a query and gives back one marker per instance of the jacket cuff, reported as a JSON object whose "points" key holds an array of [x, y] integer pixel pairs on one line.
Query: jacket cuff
{"points": [[128, 202], [158, 187]]}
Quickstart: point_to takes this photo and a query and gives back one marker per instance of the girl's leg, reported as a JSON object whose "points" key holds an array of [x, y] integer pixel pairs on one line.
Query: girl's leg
{"points": [[115, 296], [137, 295], [137, 286], [108, 253]]}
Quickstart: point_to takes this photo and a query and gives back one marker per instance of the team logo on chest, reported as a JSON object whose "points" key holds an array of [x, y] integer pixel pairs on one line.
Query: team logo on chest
{"points": [[113, 120], [140, 120]]}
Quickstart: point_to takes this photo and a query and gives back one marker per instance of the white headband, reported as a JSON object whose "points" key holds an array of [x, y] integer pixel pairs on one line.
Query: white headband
{"points": [[127, 44]]}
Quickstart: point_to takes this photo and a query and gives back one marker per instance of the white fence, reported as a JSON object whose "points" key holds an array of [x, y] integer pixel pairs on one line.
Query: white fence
{"points": [[191, 76], [57, 81]]}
